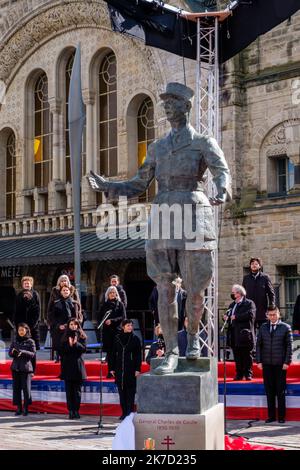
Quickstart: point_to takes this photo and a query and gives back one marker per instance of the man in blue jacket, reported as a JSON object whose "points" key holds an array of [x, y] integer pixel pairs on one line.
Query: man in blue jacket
{"points": [[273, 356]]}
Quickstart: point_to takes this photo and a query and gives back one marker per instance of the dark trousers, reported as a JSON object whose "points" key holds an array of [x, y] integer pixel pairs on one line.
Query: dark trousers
{"points": [[21, 383], [243, 362], [275, 385], [127, 395], [73, 394]]}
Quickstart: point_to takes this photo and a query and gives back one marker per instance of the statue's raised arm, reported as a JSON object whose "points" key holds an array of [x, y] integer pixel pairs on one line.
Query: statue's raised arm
{"points": [[130, 188]]}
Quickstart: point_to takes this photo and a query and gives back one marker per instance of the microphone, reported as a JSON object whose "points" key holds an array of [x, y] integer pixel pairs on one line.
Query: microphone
{"points": [[228, 314]]}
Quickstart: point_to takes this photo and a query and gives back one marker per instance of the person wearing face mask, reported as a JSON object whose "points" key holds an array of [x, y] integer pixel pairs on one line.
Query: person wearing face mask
{"points": [[240, 334], [112, 325], [64, 308], [259, 289], [73, 346], [23, 351]]}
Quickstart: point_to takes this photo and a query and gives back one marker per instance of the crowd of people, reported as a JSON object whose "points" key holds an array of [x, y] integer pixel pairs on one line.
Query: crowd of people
{"points": [[254, 330]]}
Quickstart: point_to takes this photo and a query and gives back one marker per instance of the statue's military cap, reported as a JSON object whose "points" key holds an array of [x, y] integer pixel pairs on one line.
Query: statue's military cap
{"points": [[179, 90]]}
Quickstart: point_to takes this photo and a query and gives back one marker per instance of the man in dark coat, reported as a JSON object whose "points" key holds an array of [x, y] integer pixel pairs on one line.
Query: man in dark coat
{"points": [[273, 356], [296, 316], [28, 309], [126, 365], [259, 289], [241, 318]]}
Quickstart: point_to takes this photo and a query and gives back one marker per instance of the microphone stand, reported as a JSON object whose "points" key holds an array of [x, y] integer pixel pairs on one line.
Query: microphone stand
{"points": [[100, 422], [224, 370]]}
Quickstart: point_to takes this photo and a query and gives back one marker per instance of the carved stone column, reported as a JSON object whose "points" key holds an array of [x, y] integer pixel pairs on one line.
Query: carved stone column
{"points": [[88, 197], [57, 140]]}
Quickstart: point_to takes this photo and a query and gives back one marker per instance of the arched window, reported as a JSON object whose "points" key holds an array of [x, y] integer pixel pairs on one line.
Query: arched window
{"points": [[42, 133], [68, 72], [146, 135], [108, 116], [10, 193]]}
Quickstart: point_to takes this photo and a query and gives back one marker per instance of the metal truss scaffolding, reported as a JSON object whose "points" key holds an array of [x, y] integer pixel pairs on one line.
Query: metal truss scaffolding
{"points": [[207, 123]]}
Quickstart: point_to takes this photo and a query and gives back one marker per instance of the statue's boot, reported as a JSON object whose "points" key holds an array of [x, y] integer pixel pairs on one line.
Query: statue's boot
{"points": [[169, 324], [193, 347], [168, 365]]}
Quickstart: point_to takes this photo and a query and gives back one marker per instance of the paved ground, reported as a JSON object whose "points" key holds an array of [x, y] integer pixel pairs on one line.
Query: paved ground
{"points": [[56, 432]]}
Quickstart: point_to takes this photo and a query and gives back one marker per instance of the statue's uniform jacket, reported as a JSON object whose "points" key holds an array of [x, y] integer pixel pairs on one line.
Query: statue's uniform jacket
{"points": [[178, 163]]}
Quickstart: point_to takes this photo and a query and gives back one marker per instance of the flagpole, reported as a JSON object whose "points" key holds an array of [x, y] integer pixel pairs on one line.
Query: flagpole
{"points": [[76, 125]]}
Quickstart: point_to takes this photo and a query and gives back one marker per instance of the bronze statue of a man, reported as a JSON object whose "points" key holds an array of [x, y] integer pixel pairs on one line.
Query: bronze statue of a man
{"points": [[178, 163]]}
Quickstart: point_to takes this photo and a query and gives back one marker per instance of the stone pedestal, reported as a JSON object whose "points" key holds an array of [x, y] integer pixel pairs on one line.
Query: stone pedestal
{"points": [[192, 389], [181, 407], [203, 431]]}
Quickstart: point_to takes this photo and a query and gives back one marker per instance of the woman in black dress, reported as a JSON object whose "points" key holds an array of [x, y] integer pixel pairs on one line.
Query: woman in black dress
{"points": [[73, 346], [112, 325], [126, 365]]}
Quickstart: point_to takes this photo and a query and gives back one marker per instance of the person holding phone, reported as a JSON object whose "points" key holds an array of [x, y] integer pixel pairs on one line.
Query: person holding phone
{"points": [[73, 346], [23, 352]]}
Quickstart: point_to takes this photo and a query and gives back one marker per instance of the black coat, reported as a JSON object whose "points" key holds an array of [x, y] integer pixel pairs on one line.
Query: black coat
{"points": [[274, 349], [55, 295], [72, 364], [60, 313], [241, 330], [118, 314], [28, 311], [296, 314], [126, 359], [22, 363], [260, 290]]}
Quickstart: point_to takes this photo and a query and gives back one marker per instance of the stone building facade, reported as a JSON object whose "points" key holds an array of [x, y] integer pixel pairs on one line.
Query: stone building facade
{"points": [[121, 81]]}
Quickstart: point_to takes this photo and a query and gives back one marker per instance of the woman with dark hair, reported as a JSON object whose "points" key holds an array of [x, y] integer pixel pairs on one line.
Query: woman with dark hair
{"points": [[111, 326], [23, 351], [64, 308], [62, 281], [73, 346], [126, 365]]}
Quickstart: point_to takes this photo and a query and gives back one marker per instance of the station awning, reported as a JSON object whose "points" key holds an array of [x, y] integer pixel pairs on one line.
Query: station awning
{"points": [[55, 249]]}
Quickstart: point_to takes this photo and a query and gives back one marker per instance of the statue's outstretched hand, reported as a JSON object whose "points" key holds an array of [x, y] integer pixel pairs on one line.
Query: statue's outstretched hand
{"points": [[98, 183]]}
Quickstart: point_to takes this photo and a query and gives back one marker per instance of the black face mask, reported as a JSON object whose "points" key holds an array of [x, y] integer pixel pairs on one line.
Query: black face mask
{"points": [[232, 296]]}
